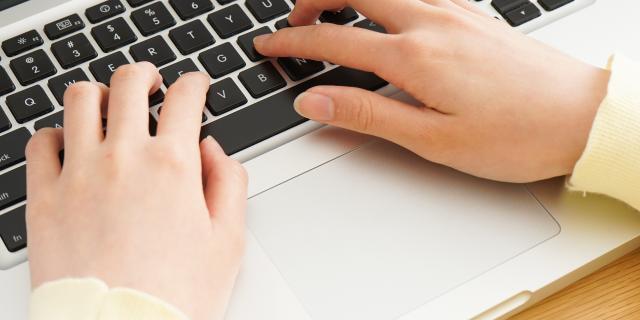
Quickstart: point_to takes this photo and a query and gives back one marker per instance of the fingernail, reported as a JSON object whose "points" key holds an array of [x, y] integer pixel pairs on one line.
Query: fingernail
{"points": [[315, 106], [260, 40]]}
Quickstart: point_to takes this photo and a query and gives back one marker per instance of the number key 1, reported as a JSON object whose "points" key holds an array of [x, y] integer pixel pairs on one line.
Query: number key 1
{"points": [[32, 67]]}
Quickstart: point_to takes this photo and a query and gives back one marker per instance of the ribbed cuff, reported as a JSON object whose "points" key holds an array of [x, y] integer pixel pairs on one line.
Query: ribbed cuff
{"points": [[610, 164]]}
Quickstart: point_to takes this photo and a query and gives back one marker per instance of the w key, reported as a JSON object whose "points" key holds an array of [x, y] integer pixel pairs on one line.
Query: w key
{"points": [[73, 51], [32, 67], [59, 84]]}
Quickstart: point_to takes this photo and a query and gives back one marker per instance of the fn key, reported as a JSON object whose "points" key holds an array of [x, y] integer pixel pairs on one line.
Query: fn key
{"points": [[13, 229]]}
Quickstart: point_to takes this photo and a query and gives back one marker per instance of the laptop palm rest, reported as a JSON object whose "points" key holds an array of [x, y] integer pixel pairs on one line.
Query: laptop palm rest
{"points": [[379, 232]]}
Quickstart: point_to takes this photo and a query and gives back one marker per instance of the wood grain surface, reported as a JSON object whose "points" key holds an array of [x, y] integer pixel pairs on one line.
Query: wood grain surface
{"points": [[612, 292]]}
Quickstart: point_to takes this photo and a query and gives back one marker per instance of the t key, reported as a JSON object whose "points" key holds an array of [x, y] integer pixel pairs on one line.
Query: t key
{"points": [[73, 51], [191, 37], [32, 67], [28, 104]]}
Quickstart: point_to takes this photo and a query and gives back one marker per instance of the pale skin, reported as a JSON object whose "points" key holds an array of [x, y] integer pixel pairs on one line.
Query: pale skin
{"points": [[165, 214]]}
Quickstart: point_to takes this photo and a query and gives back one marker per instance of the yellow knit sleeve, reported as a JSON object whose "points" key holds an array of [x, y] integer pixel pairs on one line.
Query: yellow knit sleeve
{"points": [[610, 164], [91, 299]]}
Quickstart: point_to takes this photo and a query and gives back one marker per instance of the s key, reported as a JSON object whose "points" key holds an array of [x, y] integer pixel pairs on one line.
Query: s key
{"points": [[32, 67]]}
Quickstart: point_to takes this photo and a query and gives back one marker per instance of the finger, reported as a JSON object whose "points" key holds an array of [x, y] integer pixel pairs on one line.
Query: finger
{"points": [[83, 103], [225, 184], [464, 4], [43, 162], [341, 45], [384, 12], [128, 114], [366, 112], [181, 114]]}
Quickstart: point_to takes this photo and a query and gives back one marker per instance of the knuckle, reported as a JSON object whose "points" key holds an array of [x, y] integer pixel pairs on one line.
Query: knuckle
{"points": [[172, 157], [362, 114]]}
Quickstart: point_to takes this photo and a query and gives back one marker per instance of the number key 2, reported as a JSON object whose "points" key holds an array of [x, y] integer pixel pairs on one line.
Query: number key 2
{"points": [[32, 67]]}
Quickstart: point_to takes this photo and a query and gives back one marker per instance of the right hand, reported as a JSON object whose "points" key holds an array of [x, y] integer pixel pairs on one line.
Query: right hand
{"points": [[496, 104]]}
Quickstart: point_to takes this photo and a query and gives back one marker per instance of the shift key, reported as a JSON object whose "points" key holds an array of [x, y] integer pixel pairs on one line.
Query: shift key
{"points": [[12, 147], [13, 187]]}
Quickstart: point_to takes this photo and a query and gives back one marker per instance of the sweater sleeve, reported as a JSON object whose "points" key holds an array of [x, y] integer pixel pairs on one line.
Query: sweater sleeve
{"points": [[91, 299], [610, 164]]}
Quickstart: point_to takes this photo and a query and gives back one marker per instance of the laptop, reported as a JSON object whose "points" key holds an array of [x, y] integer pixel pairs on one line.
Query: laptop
{"points": [[340, 225]]}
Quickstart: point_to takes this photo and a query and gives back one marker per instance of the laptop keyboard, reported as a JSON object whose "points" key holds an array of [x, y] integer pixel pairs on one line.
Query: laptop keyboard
{"points": [[250, 99]]}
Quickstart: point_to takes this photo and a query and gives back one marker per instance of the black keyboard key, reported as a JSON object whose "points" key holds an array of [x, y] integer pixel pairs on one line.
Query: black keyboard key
{"points": [[29, 104], [224, 96], [13, 187], [265, 10], [32, 67], [191, 37], [370, 25], [22, 43], [156, 98], [58, 85], [551, 5], [137, 3], [113, 34], [343, 16], [223, 2], [4, 122], [171, 73], [63, 27], [504, 6], [55, 120], [6, 85], [275, 114], [298, 68], [245, 42], [103, 68], [154, 50], [12, 147], [229, 21], [282, 23], [204, 117], [523, 14], [152, 18], [104, 10], [188, 9], [13, 229], [221, 60], [262, 79], [73, 51], [5, 4]]}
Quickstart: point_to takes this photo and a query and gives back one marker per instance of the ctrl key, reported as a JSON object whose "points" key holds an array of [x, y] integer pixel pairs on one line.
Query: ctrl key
{"points": [[13, 229]]}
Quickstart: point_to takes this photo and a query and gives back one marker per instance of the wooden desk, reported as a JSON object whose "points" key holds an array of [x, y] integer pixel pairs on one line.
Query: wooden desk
{"points": [[612, 292]]}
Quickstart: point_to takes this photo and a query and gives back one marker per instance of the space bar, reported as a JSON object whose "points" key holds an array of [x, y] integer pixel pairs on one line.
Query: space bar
{"points": [[275, 114]]}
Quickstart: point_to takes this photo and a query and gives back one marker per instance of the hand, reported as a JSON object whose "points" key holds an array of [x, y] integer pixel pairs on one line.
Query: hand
{"points": [[161, 214], [495, 103]]}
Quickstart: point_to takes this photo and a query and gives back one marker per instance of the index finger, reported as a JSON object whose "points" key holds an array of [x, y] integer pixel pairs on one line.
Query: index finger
{"points": [[394, 15]]}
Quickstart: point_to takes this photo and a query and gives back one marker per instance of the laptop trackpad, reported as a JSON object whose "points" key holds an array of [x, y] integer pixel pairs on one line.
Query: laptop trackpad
{"points": [[379, 232]]}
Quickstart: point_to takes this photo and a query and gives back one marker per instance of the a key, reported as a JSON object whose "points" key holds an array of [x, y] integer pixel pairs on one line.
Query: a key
{"points": [[221, 60], [282, 23], [137, 3], [523, 14], [4, 122], [171, 73], [152, 18], [113, 34], [29, 104], [188, 9], [343, 16], [229, 21], [504, 6], [63, 27], [262, 79], [370, 25], [22, 43], [58, 85], [6, 85], [191, 37], [73, 51], [275, 114], [551, 5], [265, 10], [32, 67], [103, 68], [55, 120], [298, 68], [154, 50], [13, 187], [13, 229], [12, 147], [104, 10], [224, 96], [245, 42]]}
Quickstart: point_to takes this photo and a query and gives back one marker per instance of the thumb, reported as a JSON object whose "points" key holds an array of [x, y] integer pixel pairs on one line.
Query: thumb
{"points": [[365, 112]]}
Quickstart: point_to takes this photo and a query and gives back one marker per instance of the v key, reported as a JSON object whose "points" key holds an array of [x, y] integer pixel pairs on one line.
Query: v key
{"points": [[224, 96]]}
